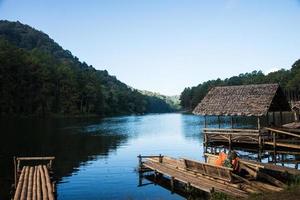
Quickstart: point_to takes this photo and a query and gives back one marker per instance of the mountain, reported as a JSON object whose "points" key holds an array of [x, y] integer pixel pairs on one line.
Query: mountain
{"points": [[288, 79], [172, 101], [39, 77]]}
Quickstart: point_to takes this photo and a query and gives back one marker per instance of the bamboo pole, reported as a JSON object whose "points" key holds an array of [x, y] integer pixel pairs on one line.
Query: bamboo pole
{"points": [[49, 187], [34, 183], [43, 181], [15, 171], [24, 188], [19, 185], [38, 184], [30, 182]]}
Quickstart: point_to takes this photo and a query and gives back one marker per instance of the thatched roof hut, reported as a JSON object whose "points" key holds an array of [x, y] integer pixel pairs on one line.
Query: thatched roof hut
{"points": [[243, 100]]}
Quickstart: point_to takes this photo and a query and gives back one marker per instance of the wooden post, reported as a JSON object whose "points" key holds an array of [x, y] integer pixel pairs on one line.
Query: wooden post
{"points": [[160, 158], [258, 123], [259, 141], [268, 120], [219, 121], [273, 115], [140, 162], [172, 180], [274, 139], [205, 122], [15, 171], [281, 121], [231, 120], [229, 141]]}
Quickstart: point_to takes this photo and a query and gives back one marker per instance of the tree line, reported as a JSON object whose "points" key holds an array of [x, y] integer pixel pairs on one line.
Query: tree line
{"points": [[39, 77], [288, 80]]}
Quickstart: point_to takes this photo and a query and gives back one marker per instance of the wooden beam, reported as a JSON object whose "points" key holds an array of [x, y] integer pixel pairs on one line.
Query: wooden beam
{"points": [[282, 132], [20, 185], [36, 158]]}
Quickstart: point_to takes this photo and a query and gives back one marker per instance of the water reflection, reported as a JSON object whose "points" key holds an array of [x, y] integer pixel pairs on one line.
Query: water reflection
{"points": [[96, 158]]}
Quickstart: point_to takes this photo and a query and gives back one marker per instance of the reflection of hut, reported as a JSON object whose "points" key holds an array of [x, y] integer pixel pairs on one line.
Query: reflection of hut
{"points": [[243, 100], [296, 109]]}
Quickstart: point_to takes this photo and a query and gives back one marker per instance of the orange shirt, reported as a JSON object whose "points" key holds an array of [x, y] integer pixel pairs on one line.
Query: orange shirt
{"points": [[221, 159]]}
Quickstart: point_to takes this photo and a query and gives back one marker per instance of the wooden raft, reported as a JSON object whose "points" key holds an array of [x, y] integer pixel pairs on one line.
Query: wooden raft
{"points": [[260, 177], [33, 181], [186, 172]]}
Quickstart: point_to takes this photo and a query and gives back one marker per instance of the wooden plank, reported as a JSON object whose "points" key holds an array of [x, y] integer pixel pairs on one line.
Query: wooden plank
{"points": [[19, 185], [43, 181], [197, 182], [234, 133], [34, 188], [30, 182], [48, 182], [282, 132], [231, 130], [36, 158], [25, 184], [38, 184], [294, 146]]}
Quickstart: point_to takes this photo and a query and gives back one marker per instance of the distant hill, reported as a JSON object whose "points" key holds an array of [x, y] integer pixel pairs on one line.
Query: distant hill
{"points": [[39, 77], [172, 101], [288, 79]]}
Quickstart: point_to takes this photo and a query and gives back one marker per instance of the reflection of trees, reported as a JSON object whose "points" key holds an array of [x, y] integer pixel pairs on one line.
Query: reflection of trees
{"points": [[71, 147]]}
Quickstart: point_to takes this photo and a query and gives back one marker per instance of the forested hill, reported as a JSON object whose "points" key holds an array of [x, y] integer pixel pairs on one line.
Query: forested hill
{"points": [[288, 79], [39, 77]]}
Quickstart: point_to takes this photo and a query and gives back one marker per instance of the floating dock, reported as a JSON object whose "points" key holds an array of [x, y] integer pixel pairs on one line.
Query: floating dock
{"points": [[33, 179], [210, 178], [267, 136]]}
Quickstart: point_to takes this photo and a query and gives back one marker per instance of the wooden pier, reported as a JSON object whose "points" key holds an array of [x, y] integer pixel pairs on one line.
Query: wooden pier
{"points": [[211, 178], [267, 136], [33, 179]]}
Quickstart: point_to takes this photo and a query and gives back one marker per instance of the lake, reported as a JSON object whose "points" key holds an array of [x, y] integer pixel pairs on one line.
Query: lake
{"points": [[97, 158]]}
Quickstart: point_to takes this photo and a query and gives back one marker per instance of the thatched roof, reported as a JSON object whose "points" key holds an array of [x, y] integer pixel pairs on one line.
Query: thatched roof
{"points": [[243, 100]]}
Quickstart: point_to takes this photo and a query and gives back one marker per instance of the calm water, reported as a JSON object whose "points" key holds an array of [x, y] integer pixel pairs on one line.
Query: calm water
{"points": [[96, 158]]}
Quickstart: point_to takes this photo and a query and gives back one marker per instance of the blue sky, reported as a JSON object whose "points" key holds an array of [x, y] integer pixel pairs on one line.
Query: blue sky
{"points": [[166, 45]]}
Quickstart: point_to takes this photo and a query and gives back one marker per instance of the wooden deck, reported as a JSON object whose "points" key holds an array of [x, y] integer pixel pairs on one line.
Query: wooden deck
{"points": [[32, 180], [207, 177], [267, 136]]}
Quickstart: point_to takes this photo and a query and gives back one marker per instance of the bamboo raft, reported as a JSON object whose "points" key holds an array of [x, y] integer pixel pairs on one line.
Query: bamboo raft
{"points": [[210, 178], [33, 181]]}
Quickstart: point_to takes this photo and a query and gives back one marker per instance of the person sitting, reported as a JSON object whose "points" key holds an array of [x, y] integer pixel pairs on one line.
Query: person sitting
{"points": [[231, 160]]}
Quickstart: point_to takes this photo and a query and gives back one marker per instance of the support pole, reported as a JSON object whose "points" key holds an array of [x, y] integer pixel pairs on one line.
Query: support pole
{"points": [[231, 120], [273, 114], [219, 123], [140, 162], [229, 141], [205, 122], [160, 158], [258, 123], [172, 182], [281, 120], [268, 120], [15, 171]]}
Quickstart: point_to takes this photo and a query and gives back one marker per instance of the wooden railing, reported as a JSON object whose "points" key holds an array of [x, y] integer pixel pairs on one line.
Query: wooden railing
{"points": [[275, 136]]}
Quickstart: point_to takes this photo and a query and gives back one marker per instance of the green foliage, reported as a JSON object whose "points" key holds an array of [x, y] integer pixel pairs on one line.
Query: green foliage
{"points": [[288, 79], [38, 77]]}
